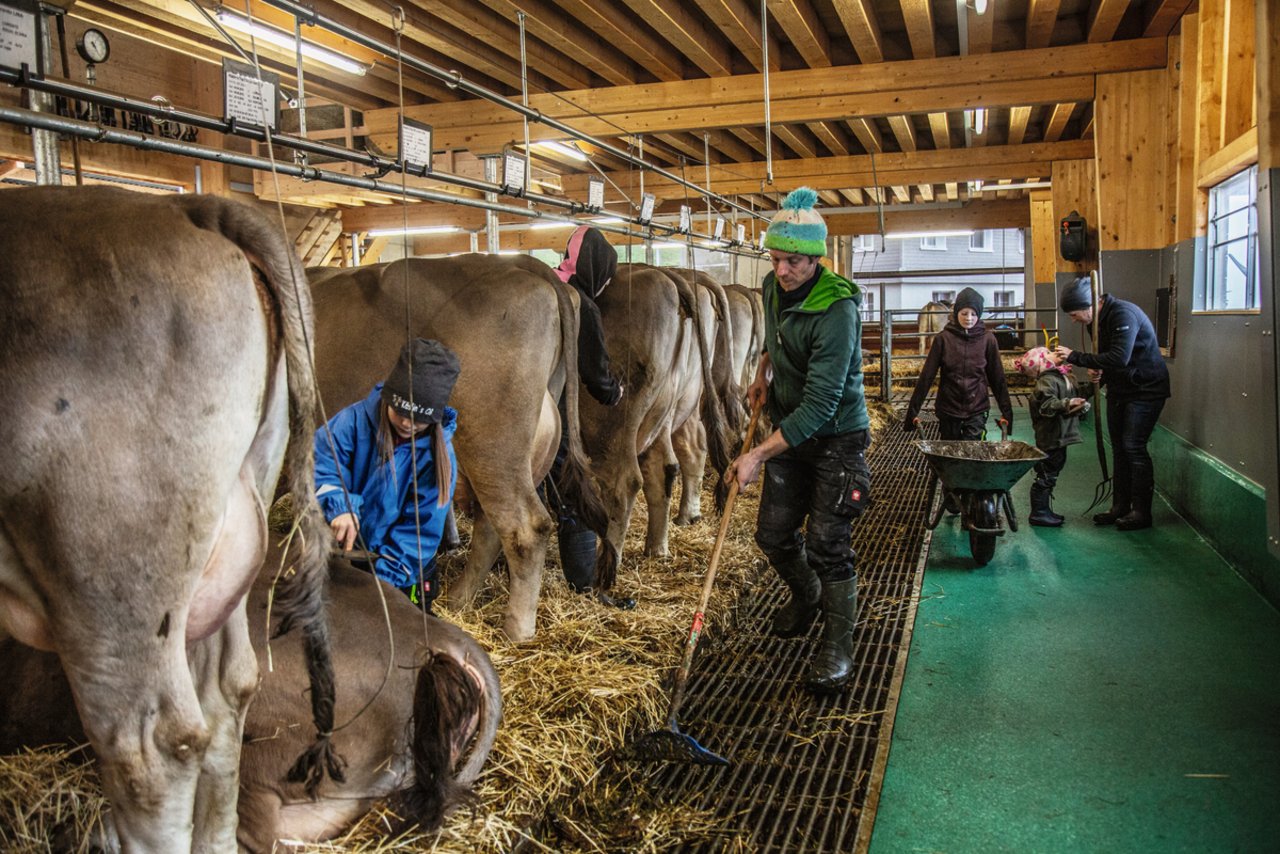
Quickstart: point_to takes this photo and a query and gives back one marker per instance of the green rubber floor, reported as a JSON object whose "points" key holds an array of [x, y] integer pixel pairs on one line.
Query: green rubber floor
{"points": [[1088, 690]]}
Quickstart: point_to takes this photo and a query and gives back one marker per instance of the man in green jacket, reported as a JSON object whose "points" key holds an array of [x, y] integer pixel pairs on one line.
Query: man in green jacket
{"points": [[810, 378]]}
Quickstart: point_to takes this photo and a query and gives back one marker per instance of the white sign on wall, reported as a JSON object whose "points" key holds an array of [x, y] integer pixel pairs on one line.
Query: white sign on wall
{"points": [[513, 173], [19, 38], [742, 233], [686, 219], [248, 99], [415, 144], [719, 232], [595, 193], [646, 207]]}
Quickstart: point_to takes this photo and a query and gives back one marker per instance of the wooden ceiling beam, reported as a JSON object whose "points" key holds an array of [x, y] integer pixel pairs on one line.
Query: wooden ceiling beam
{"points": [[918, 16], [903, 131], [750, 137], [796, 140], [739, 21], [1106, 20], [1042, 15], [548, 23], [940, 129], [674, 23], [860, 23], [611, 26], [978, 214], [868, 134], [804, 28], [730, 146], [1058, 121], [1163, 18], [1018, 118], [827, 134], [981, 29], [1010, 78]]}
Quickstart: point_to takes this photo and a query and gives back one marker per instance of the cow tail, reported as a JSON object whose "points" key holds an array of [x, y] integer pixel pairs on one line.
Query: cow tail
{"points": [[729, 390], [302, 596], [446, 702], [713, 418], [576, 486]]}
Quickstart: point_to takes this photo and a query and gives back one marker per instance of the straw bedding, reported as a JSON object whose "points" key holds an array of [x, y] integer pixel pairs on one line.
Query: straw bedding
{"points": [[589, 681]]}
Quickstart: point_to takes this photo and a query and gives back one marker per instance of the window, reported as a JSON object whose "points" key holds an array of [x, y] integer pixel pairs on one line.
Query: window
{"points": [[934, 244], [944, 296], [868, 305], [980, 241], [1002, 299], [864, 243], [1231, 281]]}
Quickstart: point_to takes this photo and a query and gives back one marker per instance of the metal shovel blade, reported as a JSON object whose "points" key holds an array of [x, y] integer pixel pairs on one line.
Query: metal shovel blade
{"points": [[671, 745]]}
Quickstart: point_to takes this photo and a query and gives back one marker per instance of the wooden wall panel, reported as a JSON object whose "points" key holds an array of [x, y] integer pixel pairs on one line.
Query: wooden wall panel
{"points": [[1130, 117], [1237, 70], [1187, 208], [1074, 189], [1044, 238], [1268, 83]]}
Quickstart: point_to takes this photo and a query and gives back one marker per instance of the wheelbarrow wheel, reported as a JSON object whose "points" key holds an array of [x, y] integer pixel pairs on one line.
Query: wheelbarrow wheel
{"points": [[934, 505], [982, 547]]}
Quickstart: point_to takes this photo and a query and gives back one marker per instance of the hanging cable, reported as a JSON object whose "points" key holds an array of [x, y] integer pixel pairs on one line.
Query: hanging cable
{"points": [[768, 122]]}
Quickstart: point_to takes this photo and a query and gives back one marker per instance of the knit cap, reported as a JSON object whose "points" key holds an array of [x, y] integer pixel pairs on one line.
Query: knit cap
{"points": [[1035, 361], [428, 369], [1077, 296], [798, 227], [968, 298]]}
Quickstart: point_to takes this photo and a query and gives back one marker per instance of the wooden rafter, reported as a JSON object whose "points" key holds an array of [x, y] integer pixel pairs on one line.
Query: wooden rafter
{"points": [[940, 130], [800, 22], [739, 21], [860, 23], [1106, 20], [918, 17], [546, 22], [1057, 122], [903, 131], [674, 23], [1042, 15], [612, 27], [867, 133], [1018, 118], [828, 135], [981, 30], [1163, 17]]}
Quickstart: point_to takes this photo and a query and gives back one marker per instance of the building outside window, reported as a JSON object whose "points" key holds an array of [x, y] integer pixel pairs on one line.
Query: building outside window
{"points": [[934, 244], [944, 296], [869, 304], [1002, 299], [980, 241], [1231, 281], [864, 243]]}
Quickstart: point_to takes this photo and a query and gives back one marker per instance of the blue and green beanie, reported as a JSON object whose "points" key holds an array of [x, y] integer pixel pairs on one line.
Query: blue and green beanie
{"points": [[798, 227]]}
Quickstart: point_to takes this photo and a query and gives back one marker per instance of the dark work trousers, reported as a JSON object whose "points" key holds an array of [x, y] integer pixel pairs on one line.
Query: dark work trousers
{"points": [[1131, 422], [1048, 469], [973, 427], [826, 480], [577, 542]]}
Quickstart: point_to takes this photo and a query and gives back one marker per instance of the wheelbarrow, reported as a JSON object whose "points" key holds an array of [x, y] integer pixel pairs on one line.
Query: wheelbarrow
{"points": [[978, 476]]}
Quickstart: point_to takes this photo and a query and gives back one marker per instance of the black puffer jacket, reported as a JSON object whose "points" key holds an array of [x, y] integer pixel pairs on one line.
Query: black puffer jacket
{"points": [[1128, 353], [970, 364], [589, 265]]}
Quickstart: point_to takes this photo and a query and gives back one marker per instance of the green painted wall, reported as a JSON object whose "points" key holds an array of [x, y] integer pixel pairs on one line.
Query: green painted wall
{"points": [[1226, 508]]}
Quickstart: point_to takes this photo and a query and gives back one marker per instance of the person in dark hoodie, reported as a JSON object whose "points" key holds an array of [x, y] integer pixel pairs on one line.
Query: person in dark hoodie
{"points": [[969, 359], [815, 467], [589, 264], [1129, 365]]}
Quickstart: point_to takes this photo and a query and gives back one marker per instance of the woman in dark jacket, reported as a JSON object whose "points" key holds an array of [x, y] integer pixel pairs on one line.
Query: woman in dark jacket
{"points": [[969, 358], [1129, 365]]}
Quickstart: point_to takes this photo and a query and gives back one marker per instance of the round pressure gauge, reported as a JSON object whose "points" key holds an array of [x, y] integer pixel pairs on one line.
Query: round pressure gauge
{"points": [[93, 46]]}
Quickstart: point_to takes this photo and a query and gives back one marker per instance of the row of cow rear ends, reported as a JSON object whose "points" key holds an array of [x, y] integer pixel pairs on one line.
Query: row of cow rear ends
{"points": [[162, 360]]}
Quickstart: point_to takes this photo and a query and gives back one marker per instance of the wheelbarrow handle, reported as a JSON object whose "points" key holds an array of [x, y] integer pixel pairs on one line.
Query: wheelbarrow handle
{"points": [[1004, 428]]}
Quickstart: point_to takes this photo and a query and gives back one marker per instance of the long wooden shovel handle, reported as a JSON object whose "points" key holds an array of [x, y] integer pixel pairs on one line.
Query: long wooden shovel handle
{"points": [[695, 630]]}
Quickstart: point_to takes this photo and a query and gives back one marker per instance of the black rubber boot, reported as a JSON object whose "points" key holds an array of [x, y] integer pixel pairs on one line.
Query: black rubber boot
{"points": [[578, 560], [1042, 515], [1119, 500], [1143, 485], [797, 615], [832, 664]]}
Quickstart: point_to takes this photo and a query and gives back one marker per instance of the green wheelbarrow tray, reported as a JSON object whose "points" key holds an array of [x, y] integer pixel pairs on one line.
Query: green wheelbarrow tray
{"points": [[979, 466], [978, 477]]}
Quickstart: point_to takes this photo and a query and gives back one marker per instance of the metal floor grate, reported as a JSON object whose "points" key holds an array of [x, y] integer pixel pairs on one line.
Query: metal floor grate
{"points": [[804, 768]]}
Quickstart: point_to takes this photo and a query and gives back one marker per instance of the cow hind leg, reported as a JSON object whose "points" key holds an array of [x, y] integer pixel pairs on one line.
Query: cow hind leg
{"points": [[658, 471], [486, 545], [524, 541], [690, 444]]}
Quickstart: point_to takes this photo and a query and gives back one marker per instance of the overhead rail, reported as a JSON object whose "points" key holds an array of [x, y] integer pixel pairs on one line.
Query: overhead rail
{"points": [[871, 275], [137, 139], [455, 80]]}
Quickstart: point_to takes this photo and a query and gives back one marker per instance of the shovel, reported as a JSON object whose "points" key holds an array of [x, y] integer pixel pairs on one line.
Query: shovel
{"points": [[670, 744]]}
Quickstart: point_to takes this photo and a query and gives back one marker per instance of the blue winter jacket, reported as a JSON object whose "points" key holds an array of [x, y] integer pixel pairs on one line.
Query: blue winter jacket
{"points": [[382, 495]]}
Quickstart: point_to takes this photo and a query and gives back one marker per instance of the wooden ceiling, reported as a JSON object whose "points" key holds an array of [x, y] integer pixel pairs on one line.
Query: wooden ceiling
{"points": [[849, 80]]}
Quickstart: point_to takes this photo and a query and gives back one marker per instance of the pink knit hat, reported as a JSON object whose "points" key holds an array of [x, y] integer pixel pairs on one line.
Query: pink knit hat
{"points": [[1037, 360]]}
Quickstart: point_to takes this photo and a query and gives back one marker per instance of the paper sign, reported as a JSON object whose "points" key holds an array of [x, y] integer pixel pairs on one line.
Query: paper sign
{"points": [[513, 173], [742, 233], [415, 143], [762, 239], [686, 219], [646, 207], [248, 100], [18, 36], [719, 232], [595, 193]]}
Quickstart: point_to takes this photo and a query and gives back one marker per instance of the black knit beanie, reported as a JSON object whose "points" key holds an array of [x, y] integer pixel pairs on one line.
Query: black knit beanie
{"points": [[1077, 296], [968, 298], [434, 369]]}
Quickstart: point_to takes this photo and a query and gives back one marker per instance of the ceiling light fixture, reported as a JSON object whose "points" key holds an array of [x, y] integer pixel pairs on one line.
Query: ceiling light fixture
{"points": [[979, 7], [542, 225], [907, 235], [285, 40], [414, 231], [563, 149], [979, 120], [1023, 185]]}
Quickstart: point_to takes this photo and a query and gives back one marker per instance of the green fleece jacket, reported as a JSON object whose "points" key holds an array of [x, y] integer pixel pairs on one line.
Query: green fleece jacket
{"points": [[815, 349]]}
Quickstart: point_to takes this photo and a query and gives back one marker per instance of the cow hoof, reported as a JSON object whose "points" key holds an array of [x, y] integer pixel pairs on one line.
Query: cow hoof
{"points": [[656, 552], [692, 520], [622, 603], [515, 632]]}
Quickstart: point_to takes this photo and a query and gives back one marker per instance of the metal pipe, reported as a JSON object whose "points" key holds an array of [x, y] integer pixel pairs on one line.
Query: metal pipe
{"points": [[96, 133], [524, 99], [768, 122], [302, 95], [922, 274], [44, 145], [455, 80], [491, 218], [66, 72]]}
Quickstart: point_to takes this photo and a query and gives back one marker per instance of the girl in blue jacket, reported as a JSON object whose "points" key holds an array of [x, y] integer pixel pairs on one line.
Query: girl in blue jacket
{"points": [[385, 469]]}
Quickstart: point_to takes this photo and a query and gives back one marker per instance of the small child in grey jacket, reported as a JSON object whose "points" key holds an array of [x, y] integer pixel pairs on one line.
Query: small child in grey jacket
{"points": [[1056, 407]]}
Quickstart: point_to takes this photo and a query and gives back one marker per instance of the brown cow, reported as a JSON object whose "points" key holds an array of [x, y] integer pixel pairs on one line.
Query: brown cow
{"points": [[655, 338], [409, 724], [929, 322], [155, 373], [514, 326]]}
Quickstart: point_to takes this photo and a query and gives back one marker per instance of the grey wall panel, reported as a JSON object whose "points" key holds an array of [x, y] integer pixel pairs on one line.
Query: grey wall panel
{"points": [[1269, 273]]}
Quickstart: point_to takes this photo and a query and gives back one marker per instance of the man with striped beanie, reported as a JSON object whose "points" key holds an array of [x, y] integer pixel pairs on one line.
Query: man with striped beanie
{"points": [[810, 380]]}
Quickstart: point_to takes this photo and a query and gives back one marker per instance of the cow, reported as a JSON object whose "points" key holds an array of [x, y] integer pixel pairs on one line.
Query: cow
{"points": [[406, 723], [929, 322], [746, 308], [156, 374], [514, 326], [656, 341]]}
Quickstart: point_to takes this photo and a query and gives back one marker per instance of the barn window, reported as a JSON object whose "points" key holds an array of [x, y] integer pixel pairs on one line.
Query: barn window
{"points": [[934, 244], [980, 241], [1231, 281]]}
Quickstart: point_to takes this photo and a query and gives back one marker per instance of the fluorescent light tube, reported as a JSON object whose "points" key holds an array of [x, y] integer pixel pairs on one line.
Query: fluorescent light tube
{"points": [[1024, 185], [285, 40], [907, 235], [571, 151], [413, 231]]}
